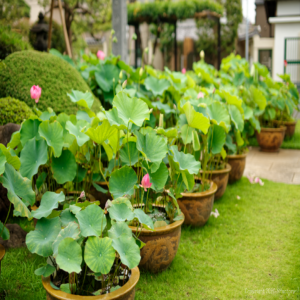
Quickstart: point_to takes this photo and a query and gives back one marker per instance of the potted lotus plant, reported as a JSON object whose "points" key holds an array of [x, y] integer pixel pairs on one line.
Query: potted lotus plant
{"points": [[90, 254], [140, 174]]}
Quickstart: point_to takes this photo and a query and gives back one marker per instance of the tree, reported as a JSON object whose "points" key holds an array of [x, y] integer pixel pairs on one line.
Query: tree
{"points": [[81, 16], [13, 10]]}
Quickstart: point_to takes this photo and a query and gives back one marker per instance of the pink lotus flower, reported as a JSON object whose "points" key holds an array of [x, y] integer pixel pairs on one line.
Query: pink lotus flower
{"points": [[183, 71], [100, 55], [145, 184], [258, 180], [200, 95], [82, 195], [35, 93]]}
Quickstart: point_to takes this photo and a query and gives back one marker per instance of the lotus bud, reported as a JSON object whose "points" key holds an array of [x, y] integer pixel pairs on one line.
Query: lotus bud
{"points": [[200, 95], [124, 84], [141, 72], [115, 40], [112, 32], [82, 195], [145, 184], [151, 110], [174, 106], [202, 55], [146, 50], [183, 71], [35, 93], [121, 75], [134, 37], [100, 55]]}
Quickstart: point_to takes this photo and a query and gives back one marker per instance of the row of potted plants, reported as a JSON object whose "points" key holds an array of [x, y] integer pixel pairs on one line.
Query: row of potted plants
{"points": [[110, 191]]}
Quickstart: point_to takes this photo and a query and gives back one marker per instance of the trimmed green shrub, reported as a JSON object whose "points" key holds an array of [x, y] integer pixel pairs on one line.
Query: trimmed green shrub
{"points": [[13, 111], [55, 76], [11, 42]]}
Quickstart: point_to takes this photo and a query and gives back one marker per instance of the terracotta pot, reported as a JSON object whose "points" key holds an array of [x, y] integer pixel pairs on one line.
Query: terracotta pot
{"points": [[99, 195], [161, 246], [126, 292], [290, 127], [2, 253], [237, 163], [197, 207], [270, 139], [220, 177]]}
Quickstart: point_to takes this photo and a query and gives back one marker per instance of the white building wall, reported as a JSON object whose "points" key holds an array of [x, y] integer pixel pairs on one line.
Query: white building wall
{"points": [[282, 31], [288, 8]]}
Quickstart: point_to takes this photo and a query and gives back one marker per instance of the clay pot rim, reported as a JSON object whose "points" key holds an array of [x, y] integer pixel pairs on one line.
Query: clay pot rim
{"points": [[134, 278], [282, 128], [2, 252], [237, 156], [285, 122], [223, 171], [159, 230], [211, 191]]}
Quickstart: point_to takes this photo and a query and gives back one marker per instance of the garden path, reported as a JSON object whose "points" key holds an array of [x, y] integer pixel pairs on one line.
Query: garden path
{"points": [[283, 166]]}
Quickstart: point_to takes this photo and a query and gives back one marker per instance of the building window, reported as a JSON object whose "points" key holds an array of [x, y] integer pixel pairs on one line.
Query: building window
{"points": [[265, 58]]}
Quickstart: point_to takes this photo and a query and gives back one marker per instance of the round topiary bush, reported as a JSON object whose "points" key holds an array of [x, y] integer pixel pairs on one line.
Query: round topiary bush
{"points": [[13, 111], [55, 76], [11, 42]]}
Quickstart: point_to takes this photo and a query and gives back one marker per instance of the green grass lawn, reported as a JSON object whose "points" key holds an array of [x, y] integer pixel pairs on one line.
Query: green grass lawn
{"points": [[251, 251], [293, 143]]}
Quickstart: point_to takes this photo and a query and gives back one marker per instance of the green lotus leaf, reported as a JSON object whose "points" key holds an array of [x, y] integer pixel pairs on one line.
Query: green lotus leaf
{"points": [[144, 219], [10, 156], [66, 217], [103, 132], [255, 123], [33, 155], [45, 271], [15, 140], [258, 97], [169, 132], [128, 250], [185, 161], [163, 108], [75, 130], [159, 177], [130, 157], [41, 239], [131, 109], [67, 287], [186, 134], [4, 232], [156, 86], [75, 209], [113, 118], [118, 229], [99, 254], [219, 115], [49, 202], [216, 139], [123, 200], [92, 221], [2, 162], [232, 100], [41, 180], [19, 190], [64, 167], [152, 146], [120, 212], [236, 117], [230, 145], [196, 141], [46, 115], [80, 174], [122, 182], [105, 76], [188, 179], [53, 134], [69, 257], [72, 231], [195, 119], [239, 139], [29, 130], [83, 99]]}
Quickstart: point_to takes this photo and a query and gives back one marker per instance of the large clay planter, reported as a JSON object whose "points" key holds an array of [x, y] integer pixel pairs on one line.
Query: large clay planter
{"points": [[220, 177], [161, 246], [290, 128], [99, 195], [126, 292], [237, 163], [197, 207], [2, 253], [270, 139]]}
